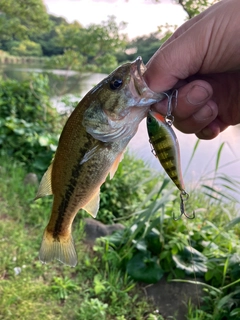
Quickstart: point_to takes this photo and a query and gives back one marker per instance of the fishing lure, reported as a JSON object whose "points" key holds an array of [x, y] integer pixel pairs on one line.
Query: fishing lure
{"points": [[166, 148]]}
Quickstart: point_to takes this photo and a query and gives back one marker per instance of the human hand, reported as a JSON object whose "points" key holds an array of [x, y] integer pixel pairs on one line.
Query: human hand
{"points": [[202, 60]]}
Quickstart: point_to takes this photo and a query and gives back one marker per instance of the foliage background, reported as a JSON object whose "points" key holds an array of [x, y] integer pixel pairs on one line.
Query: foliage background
{"points": [[152, 245]]}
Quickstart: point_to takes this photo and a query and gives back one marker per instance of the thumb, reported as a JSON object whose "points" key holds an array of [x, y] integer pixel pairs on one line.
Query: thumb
{"points": [[175, 61], [205, 44]]}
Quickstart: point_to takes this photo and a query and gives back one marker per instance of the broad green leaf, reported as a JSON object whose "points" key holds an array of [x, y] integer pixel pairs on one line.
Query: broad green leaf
{"points": [[142, 267], [140, 245], [191, 261], [235, 313], [153, 242]]}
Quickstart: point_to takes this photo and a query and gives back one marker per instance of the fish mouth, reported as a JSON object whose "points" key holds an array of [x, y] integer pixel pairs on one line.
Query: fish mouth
{"points": [[138, 69], [141, 68], [140, 88]]}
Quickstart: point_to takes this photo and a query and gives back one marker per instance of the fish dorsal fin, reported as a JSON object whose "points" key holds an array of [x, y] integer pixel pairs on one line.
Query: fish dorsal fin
{"points": [[45, 187], [93, 205], [115, 165]]}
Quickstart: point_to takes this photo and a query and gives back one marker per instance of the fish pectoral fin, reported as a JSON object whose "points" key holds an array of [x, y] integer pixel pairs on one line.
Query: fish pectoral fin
{"points": [[88, 155], [61, 248], [45, 187], [93, 205], [116, 164]]}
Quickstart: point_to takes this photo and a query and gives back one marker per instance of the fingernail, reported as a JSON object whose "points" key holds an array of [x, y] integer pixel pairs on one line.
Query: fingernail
{"points": [[197, 95], [204, 113], [206, 132]]}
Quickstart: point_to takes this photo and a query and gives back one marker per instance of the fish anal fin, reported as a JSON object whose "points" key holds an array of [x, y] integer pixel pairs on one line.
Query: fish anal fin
{"points": [[115, 165], [45, 186], [61, 249], [93, 205]]}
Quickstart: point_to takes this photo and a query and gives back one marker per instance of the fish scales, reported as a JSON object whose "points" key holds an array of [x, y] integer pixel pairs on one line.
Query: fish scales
{"points": [[166, 147], [90, 147]]}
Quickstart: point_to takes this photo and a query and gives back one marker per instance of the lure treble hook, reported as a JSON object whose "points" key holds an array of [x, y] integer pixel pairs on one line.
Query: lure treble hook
{"points": [[184, 197]]}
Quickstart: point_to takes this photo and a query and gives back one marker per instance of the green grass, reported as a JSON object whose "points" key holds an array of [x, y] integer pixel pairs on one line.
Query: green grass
{"points": [[98, 288], [95, 289]]}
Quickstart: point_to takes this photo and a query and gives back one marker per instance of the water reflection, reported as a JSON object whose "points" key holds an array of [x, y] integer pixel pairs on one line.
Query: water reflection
{"points": [[61, 81]]}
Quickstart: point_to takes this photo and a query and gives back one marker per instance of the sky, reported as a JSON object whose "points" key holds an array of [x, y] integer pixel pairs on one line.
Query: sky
{"points": [[142, 16]]}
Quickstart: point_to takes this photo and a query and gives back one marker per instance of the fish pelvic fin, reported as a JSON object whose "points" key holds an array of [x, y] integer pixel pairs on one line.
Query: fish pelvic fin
{"points": [[60, 248], [45, 187], [93, 205]]}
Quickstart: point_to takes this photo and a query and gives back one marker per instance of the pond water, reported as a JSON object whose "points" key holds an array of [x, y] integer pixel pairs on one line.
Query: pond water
{"points": [[204, 161]]}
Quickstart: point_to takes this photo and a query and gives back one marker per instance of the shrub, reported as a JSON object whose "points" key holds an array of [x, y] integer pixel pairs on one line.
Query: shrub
{"points": [[28, 123]]}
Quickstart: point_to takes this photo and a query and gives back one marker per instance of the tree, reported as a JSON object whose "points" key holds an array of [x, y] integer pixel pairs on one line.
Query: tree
{"points": [[194, 7], [49, 40], [26, 48], [21, 19], [144, 46], [90, 49]]}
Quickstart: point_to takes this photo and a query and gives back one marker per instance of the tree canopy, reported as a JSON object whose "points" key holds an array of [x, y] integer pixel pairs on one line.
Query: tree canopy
{"points": [[93, 48], [194, 7], [28, 30], [22, 18]]}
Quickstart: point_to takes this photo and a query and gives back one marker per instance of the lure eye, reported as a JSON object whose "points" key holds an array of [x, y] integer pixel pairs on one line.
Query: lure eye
{"points": [[116, 84], [149, 119]]}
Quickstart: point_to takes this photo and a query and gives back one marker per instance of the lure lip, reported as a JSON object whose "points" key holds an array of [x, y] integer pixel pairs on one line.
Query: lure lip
{"points": [[156, 115]]}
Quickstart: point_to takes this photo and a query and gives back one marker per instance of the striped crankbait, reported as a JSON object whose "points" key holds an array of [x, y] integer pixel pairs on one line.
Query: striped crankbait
{"points": [[165, 147]]}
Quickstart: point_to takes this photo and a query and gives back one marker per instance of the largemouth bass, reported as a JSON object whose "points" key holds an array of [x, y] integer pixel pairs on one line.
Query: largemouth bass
{"points": [[90, 147]]}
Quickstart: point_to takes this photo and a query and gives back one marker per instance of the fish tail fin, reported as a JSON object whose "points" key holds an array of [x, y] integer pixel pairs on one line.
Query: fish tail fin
{"points": [[60, 248]]}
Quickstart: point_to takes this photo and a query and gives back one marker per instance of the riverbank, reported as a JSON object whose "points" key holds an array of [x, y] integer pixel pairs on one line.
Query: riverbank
{"points": [[6, 58]]}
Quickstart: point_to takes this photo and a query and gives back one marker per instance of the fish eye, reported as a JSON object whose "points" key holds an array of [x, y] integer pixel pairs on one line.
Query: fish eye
{"points": [[116, 84]]}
